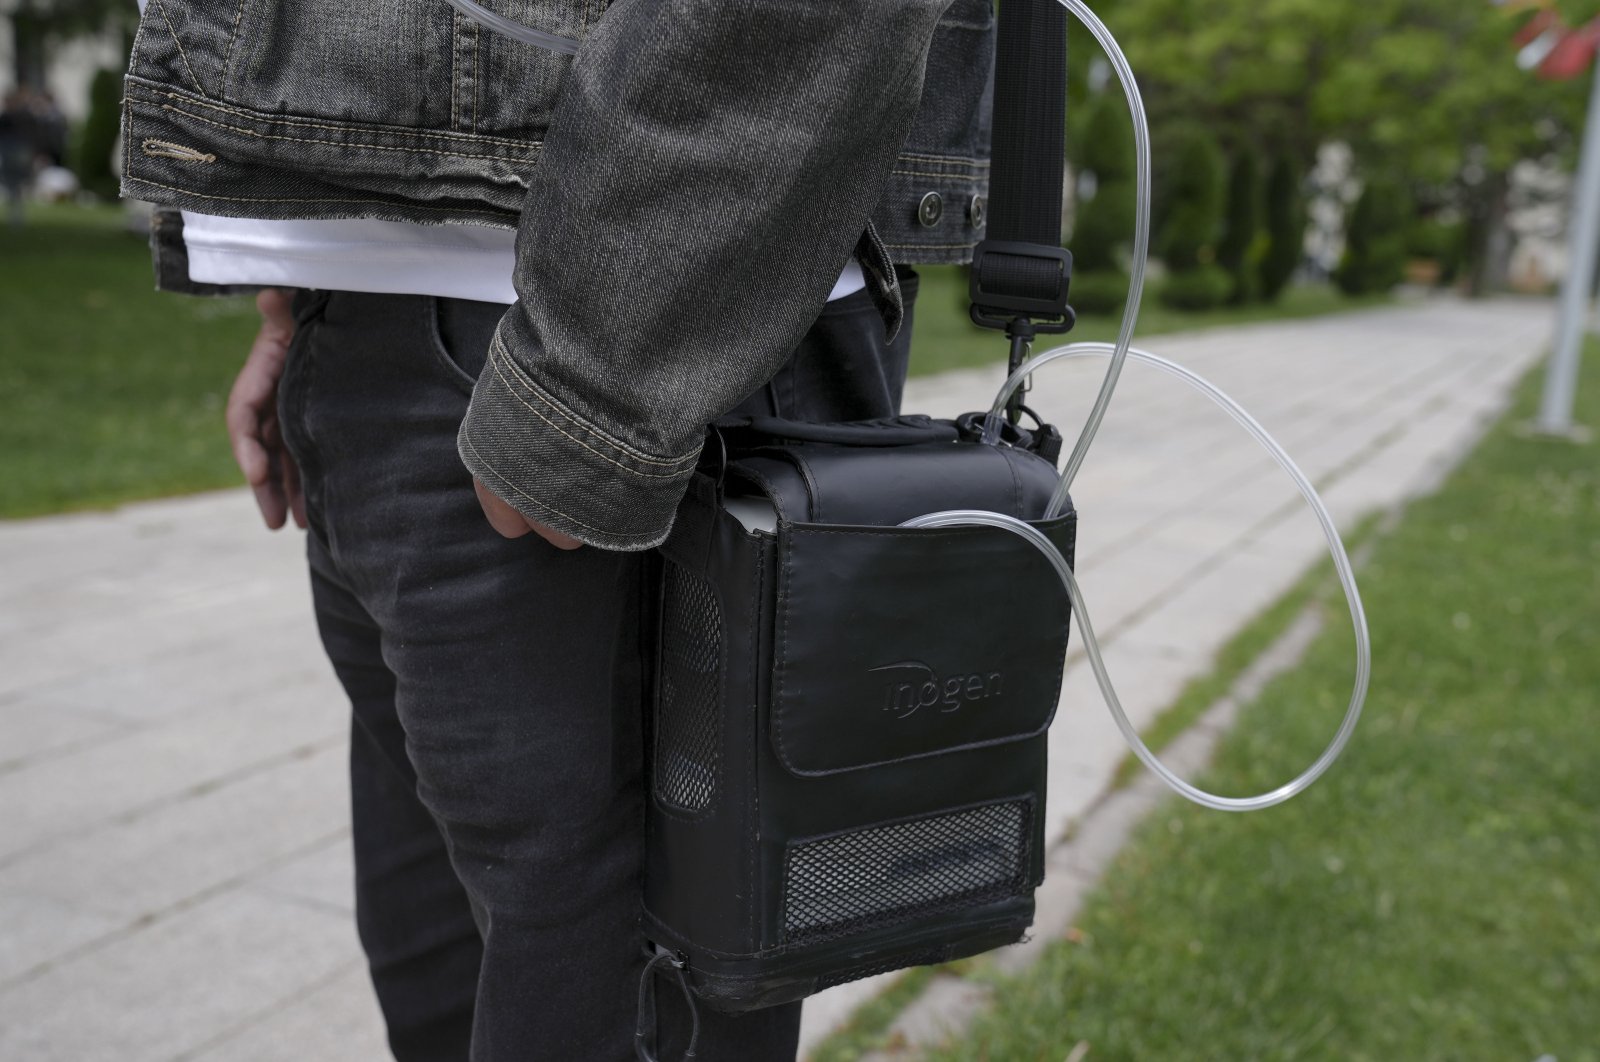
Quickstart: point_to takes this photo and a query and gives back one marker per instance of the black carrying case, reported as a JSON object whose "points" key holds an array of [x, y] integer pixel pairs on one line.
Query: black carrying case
{"points": [[847, 743]]}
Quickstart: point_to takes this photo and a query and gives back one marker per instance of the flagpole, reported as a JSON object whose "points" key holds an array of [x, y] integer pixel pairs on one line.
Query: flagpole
{"points": [[1561, 377]]}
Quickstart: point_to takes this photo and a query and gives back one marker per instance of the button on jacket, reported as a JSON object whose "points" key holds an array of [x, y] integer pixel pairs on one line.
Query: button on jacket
{"points": [[685, 189]]}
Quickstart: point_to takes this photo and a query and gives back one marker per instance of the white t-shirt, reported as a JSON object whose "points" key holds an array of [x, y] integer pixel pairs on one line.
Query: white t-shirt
{"points": [[365, 254]]}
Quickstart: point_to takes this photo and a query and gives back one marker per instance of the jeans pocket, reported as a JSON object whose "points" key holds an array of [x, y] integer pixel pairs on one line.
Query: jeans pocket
{"points": [[845, 367], [459, 332]]}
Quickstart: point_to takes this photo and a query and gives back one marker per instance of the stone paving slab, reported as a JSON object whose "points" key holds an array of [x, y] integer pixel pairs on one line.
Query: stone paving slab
{"points": [[174, 860], [1371, 405]]}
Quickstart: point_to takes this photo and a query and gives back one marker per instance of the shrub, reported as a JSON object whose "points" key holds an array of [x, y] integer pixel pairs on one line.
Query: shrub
{"points": [[1193, 223], [1240, 250], [1441, 241], [1105, 223], [1286, 228], [1375, 240], [97, 140], [1099, 291], [1201, 288]]}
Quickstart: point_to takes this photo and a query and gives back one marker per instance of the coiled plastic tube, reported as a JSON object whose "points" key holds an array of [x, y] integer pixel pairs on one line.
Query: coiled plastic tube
{"points": [[514, 29], [1141, 256], [1118, 354], [1341, 563]]}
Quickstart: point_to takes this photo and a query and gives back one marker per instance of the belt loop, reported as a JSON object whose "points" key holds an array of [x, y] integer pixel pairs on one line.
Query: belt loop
{"points": [[883, 286]]}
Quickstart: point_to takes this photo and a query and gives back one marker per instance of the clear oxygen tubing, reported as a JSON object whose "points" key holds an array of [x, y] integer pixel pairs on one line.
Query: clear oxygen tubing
{"points": [[1118, 354], [514, 29], [1141, 255], [1341, 563]]}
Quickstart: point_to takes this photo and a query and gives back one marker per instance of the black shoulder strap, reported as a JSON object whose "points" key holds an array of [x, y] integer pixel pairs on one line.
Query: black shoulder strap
{"points": [[1020, 270]]}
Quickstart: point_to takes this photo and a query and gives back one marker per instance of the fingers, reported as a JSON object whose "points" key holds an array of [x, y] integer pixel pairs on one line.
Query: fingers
{"points": [[271, 502], [512, 524], [502, 517], [276, 306], [291, 490], [251, 415]]}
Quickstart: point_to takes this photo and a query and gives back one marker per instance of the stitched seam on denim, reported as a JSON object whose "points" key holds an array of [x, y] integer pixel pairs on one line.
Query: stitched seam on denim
{"points": [[330, 143], [501, 479], [477, 72], [603, 456], [161, 8], [136, 53], [953, 160], [498, 353], [345, 127], [289, 199], [127, 136], [932, 246], [455, 46], [935, 176], [227, 59]]}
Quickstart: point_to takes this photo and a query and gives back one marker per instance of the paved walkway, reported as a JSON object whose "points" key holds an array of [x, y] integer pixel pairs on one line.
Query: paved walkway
{"points": [[174, 847]]}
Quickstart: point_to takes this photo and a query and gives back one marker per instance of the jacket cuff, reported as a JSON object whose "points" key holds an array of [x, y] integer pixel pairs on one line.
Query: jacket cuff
{"points": [[554, 467]]}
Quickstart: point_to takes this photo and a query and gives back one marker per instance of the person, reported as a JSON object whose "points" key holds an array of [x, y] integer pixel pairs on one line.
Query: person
{"points": [[52, 126], [715, 209], [18, 152]]}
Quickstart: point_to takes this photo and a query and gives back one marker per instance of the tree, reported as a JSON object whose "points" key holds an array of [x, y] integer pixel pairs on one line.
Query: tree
{"points": [[1240, 250], [38, 26], [1286, 228], [1428, 88], [1104, 223], [98, 137], [1375, 240], [1192, 224]]}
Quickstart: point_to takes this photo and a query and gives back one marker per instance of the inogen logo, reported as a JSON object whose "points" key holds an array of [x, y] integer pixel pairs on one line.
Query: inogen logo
{"points": [[914, 686]]}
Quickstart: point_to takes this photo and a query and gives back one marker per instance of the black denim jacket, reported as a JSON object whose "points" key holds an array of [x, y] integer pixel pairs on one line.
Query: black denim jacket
{"points": [[686, 190]]}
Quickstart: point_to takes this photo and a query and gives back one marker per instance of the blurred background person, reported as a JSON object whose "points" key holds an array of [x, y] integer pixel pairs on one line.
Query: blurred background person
{"points": [[19, 151]]}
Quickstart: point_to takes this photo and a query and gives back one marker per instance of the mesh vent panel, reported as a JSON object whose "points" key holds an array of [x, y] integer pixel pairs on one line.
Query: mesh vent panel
{"points": [[688, 731], [883, 874]]}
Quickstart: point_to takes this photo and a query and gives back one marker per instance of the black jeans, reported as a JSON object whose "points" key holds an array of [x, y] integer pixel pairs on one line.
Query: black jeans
{"points": [[496, 750]]}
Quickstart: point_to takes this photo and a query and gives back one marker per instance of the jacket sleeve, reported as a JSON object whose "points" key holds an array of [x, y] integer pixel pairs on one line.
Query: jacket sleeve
{"points": [[706, 174]]}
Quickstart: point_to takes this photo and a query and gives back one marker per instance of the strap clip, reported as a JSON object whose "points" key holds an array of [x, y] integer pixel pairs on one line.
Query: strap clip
{"points": [[1011, 279]]}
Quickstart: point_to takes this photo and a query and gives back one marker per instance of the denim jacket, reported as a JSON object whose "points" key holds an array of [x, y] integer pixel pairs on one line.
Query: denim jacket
{"points": [[686, 188]]}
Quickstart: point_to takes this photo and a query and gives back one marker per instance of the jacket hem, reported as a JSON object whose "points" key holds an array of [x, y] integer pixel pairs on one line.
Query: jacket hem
{"points": [[169, 255], [184, 151]]}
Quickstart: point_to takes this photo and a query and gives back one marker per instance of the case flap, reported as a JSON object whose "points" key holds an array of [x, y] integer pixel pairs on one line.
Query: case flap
{"points": [[895, 643], [860, 485]]}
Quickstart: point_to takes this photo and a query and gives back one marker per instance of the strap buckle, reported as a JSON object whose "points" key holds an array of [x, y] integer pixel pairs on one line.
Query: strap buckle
{"points": [[1012, 279]]}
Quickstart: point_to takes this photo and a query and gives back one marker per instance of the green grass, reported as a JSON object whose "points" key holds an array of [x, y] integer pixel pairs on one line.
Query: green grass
{"points": [[109, 390], [866, 1030], [1437, 895], [945, 337]]}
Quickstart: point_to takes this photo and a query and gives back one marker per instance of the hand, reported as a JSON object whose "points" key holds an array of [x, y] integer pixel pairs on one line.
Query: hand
{"points": [[252, 416], [512, 524]]}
